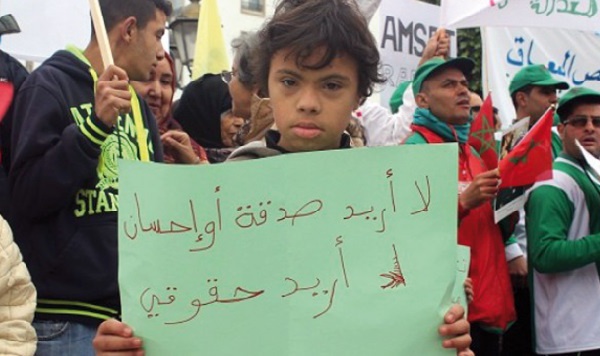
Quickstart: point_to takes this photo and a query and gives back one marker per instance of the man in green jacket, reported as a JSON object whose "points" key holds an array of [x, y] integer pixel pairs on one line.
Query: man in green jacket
{"points": [[563, 235]]}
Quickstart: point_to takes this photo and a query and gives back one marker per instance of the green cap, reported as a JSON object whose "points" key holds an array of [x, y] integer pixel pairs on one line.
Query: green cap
{"points": [[396, 99], [572, 96], [536, 74], [463, 64]]}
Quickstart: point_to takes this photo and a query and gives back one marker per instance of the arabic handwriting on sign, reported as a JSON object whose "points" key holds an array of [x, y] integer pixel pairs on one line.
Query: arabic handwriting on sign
{"points": [[297, 287], [240, 294], [339, 241], [461, 265], [312, 207], [395, 276], [353, 213], [390, 174], [425, 200], [155, 301], [210, 229], [247, 218], [331, 294]]}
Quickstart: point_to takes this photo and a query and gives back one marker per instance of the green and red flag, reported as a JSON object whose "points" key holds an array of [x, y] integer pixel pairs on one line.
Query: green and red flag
{"points": [[481, 137], [530, 160], [6, 96]]}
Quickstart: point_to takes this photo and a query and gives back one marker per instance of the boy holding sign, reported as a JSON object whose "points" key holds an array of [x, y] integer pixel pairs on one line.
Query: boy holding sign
{"points": [[317, 61]]}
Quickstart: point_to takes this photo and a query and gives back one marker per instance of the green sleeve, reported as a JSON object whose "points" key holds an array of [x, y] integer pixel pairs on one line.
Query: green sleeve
{"points": [[549, 213]]}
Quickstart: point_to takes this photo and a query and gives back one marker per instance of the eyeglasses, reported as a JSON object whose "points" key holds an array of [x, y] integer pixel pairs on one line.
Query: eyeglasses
{"points": [[582, 121], [477, 108], [226, 76]]}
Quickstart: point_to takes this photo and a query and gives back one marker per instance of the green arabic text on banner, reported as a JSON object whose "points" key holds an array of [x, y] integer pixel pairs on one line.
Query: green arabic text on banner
{"points": [[348, 252]]}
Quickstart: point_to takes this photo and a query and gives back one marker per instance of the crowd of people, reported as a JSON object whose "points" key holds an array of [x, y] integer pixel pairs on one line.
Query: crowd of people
{"points": [[299, 84]]}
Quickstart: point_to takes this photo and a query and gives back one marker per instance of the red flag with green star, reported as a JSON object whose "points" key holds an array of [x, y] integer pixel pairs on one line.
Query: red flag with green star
{"points": [[530, 160], [481, 137]]}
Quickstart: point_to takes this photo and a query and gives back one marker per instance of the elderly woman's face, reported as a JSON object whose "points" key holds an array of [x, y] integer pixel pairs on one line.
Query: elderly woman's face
{"points": [[241, 97], [230, 126]]}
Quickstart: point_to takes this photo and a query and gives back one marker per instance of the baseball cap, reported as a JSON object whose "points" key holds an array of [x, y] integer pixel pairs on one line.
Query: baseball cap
{"points": [[571, 97], [536, 74], [463, 64]]}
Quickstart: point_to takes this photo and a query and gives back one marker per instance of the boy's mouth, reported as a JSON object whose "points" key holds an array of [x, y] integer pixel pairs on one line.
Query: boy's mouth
{"points": [[306, 130]]}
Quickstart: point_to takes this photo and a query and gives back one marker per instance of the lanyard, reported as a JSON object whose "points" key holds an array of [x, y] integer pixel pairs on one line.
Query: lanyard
{"points": [[142, 141]]}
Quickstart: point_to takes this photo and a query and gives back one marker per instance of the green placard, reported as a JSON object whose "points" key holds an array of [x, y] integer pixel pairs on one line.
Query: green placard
{"points": [[346, 252]]}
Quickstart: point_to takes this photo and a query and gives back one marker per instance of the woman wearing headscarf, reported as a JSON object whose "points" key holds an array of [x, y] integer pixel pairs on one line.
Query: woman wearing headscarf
{"points": [[158, 93]]}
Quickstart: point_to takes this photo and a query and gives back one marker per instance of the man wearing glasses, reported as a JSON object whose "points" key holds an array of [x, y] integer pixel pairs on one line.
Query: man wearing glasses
{"points": [[563, 234]]}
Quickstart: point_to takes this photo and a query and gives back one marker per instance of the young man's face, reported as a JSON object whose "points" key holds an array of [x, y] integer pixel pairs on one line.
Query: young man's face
{"points": [[538, 101], [580, 126], [446, 94], [146, 48], [312, 108]]}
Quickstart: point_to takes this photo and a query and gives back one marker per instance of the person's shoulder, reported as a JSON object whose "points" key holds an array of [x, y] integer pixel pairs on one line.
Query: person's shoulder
{"points": [[415, 138], [252, 150]]}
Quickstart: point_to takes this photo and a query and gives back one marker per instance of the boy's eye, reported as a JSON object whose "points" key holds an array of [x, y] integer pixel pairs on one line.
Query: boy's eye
{"points": [[332, 86], [288, 82]]}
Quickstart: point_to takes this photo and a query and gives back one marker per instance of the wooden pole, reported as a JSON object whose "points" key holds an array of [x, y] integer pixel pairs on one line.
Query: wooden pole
{"points": [[101, 35]]}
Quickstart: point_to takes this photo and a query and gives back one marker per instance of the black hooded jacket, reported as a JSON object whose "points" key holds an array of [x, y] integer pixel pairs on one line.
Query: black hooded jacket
{"points": [[65, 188]]}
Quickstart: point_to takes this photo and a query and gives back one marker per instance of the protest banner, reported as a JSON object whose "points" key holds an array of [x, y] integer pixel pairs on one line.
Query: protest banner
{"points": [[405, 26], [299, 254], [571, 56], [569, 14]]}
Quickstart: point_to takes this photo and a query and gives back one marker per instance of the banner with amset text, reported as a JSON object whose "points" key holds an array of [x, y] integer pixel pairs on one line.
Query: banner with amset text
{"points": [[331, 253], [405, 27]]}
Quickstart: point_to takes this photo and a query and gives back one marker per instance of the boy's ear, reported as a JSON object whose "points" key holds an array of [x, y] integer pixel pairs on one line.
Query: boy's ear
{"points": [[359, 101], [422, 100]]}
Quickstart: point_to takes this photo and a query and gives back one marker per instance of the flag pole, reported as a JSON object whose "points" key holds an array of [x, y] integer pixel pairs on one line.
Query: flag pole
{"points": [[101, 35]]}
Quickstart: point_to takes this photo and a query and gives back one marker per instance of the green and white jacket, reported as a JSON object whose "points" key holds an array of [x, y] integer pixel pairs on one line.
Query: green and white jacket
{"points": [[563, 235]]}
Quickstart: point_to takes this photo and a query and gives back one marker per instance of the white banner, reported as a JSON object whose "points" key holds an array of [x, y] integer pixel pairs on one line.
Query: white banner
{"points": [[405, 27], [570, 14], [571, 56]]}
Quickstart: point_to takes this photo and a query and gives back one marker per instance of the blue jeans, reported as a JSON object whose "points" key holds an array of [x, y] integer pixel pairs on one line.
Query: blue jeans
{"points": [[61, 338]]}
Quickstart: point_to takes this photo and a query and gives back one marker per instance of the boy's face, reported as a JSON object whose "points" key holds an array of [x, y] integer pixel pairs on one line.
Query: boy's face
{"points": [[311, 107]]}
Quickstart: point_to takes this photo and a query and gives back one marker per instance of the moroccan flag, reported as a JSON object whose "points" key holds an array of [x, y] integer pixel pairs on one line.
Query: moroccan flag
{"points": [[210, 52], [531, 159], [481, 137], [6, 96]]}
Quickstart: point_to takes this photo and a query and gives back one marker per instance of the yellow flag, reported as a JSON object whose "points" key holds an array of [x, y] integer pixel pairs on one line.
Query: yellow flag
{"points": [[210, 55]]}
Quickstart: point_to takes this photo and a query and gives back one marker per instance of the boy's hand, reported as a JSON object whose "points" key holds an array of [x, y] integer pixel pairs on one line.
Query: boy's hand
{"points": [[115, 338], [483, 188], [456, 331], [468, 285], [113, 97]]}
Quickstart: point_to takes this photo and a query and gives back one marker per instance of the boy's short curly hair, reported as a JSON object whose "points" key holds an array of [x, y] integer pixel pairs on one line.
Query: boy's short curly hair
{"points": [[306, 25]]}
